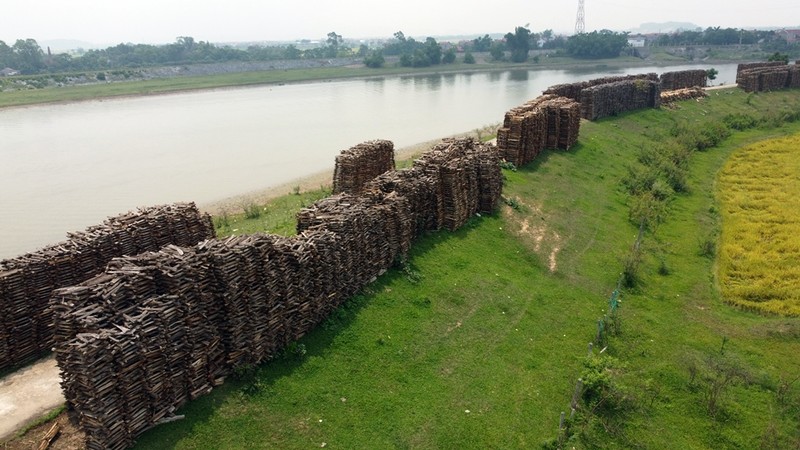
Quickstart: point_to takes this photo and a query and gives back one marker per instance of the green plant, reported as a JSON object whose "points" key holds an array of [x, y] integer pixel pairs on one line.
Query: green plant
{"points": [[740, 121], [251, 210], [513, 202], [508, 165], [708, 245]]}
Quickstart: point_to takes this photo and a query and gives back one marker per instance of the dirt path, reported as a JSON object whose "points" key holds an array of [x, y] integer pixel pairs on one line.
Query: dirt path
{"points": [[28, 394]]}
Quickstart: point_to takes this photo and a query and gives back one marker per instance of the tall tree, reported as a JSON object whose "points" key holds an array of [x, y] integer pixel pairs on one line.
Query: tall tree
{"points": [[28, 56], [334, 42], [519, 43]]}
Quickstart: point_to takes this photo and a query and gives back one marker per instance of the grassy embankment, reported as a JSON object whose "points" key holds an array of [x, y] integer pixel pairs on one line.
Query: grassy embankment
{"points": [[188, 83], [478, 340]]}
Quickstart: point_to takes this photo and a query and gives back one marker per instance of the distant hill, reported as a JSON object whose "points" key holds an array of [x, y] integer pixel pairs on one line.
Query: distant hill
{"points": [[65, 45], [664, 27]]}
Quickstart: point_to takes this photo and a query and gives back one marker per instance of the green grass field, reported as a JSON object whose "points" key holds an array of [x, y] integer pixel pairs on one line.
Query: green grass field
{"points": [[478, 341]]}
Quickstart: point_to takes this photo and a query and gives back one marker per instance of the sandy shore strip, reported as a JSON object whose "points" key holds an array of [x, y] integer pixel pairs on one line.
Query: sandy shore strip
{"points": [[317, 180]]}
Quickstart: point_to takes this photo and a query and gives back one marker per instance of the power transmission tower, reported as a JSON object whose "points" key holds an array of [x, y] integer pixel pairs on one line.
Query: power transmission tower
{"points": [[580, 25]]}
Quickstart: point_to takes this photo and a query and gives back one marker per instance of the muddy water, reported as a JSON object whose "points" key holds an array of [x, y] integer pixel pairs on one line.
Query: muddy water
{"points": [[68, 166]]}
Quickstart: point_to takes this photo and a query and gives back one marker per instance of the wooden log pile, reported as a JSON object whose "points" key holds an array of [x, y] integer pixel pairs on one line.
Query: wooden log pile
{"points": [[463, 184], [794, 77], [360, 164], [574, 90], [682, 94], [682, 79], [419, 189], [545, 122], [614, 98], [770, 78], [26, 282], [742, 68], [158, 329]]}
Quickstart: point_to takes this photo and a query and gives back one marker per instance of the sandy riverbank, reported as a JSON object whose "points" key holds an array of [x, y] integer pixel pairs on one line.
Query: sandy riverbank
{"points": [[312, 181]]}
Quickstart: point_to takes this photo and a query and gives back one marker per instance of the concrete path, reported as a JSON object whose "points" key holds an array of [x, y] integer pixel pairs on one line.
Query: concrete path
{"points": [[28, 394]]}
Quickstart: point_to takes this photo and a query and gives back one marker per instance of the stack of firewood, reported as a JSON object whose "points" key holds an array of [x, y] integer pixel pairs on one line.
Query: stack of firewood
{"points": [[671, 81], [741, 69], [770, 78], [360, 164], [26, 282], [160, 328], [574, 90], [545, 122], [614, 98]]}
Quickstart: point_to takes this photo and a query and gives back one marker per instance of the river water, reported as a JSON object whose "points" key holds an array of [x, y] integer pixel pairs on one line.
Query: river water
{"points": [[67, 166]]}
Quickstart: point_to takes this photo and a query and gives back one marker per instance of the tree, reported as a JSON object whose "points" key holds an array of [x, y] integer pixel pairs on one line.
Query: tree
{"points": [[468, 58], [712, 74], [374, 59], [449, 56], [482, 44], [28, 56], [519, 43], [433, 51], [778, 56], [334, 42], [602, 44], [497, 51]]}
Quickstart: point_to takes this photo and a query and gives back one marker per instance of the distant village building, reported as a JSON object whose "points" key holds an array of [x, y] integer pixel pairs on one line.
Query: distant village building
{"points": [[792, 36], [8, 72], [637, 41]]}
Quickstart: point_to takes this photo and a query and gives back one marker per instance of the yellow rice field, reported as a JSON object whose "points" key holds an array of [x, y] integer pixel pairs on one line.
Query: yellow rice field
{"points": [[759, 258]]}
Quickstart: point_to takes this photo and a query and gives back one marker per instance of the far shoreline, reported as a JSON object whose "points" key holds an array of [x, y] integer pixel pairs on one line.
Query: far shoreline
{"points": [[243, 80]]}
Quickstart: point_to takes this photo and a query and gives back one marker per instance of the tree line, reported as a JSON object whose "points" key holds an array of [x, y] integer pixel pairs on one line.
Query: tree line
{"points": [[27, 56]]}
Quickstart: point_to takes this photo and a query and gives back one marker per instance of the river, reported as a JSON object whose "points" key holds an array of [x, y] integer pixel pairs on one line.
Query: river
{"points": [[68, 166]]}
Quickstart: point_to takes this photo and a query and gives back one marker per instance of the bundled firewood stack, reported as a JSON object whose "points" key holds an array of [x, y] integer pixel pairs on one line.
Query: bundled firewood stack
{"points": [[794, 77], [563, 122], [682, 79], [545, 122], [574, 90], [160, 328], [682, 94], [524, 132], [26, 282], [770, 78], [418, 189], [360, 164], [741, 69], [467, 176], [614, 98]]}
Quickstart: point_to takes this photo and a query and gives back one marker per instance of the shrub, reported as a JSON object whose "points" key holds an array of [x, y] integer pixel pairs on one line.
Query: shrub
{"points": [[740, 121], [468, 58], [251, 210], [648, 210]]}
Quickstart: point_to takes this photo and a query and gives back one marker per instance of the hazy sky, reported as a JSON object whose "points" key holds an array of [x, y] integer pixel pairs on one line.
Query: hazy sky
{"points": [[161, 21]]}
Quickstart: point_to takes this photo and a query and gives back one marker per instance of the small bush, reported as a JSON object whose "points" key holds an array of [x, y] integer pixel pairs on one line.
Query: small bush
{"points": [[640, 179], [630, 269], [508, 165], [708, 245], [647, 209], [251, 210], [740, 121]]}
